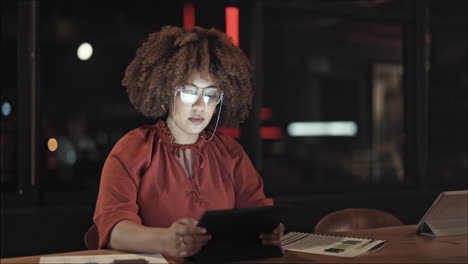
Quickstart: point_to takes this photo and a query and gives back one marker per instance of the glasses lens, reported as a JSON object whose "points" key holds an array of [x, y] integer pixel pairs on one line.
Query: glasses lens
{"points": [[188, 96], [211, 96]]}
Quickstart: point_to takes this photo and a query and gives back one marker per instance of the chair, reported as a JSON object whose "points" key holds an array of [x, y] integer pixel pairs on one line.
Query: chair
{"points": [[354, 219], [91, 238]]}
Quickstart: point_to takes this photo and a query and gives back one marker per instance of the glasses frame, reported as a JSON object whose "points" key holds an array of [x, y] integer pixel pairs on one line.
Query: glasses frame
{"points": [[221, 95]]}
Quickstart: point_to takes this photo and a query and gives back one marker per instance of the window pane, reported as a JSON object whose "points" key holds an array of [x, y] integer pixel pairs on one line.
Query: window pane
{"points": [[333, 86], [9, 99], [84, 108], [448, 97]]}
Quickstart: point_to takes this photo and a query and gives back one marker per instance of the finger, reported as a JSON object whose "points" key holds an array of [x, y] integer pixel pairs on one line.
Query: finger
{"points": [[187, 230], [198, 245], [192, 247], [279, 229], [190, 250], [186, 250], [197, 239], [272, 242], [184, 224], [183, 254], [281, 226], [188, 226], [188, 221], [188, 242]]}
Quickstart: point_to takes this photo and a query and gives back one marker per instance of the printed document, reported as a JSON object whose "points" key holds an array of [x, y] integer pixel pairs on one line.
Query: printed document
{"points": [[337, 246], [98, 259]]}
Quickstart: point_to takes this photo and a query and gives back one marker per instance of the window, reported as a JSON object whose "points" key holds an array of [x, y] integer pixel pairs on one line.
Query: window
{"points": [[333, 86], [9, 99], [84, 110], [448, 97]]}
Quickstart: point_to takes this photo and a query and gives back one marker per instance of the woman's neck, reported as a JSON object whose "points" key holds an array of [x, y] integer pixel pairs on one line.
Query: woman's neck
{"points": [[180, 137]]}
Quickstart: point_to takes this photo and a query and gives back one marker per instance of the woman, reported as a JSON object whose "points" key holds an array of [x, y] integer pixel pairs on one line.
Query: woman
{"points": [[160, 178]]}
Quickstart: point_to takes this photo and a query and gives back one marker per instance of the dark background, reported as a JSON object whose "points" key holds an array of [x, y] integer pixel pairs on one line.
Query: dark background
{"points": [[314, 61]]}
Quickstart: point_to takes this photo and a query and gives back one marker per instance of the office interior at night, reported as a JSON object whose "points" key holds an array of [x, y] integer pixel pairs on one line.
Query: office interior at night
{"points": [[357, 104]]}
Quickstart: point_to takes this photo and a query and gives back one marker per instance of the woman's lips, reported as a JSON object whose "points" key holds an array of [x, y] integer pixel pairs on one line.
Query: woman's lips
{"points": [[196, 120]]}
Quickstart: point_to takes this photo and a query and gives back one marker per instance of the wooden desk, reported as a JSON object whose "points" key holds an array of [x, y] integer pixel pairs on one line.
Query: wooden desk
{"points": [[402, 245]]}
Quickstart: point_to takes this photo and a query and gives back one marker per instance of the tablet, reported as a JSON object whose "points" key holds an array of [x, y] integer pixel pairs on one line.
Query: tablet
{"points": [[235, 234], [447, 215]]}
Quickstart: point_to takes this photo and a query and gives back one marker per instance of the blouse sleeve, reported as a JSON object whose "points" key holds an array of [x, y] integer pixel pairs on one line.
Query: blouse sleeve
{"points": [[120, 180], [248, 183]]}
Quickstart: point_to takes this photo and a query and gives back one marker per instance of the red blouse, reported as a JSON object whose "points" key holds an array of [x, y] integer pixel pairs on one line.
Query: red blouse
{"points": [[143, 180]]}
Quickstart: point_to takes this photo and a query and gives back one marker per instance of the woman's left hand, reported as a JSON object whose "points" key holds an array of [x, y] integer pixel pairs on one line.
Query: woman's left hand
{"points": [[274, 238]]}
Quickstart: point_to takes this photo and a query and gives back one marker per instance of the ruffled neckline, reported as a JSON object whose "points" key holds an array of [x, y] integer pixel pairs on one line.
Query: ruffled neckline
{"points": [[165, 135]]}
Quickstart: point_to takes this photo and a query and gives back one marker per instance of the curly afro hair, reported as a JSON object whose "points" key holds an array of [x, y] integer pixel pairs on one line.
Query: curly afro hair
{"points": [[167, 59]]}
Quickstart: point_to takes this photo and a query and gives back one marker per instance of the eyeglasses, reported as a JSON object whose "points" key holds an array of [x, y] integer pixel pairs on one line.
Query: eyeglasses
{"points": [[190, 96]]}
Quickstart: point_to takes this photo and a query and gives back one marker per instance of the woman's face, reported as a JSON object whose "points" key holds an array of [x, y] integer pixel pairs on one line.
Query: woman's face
{"points": [[187, 120]]}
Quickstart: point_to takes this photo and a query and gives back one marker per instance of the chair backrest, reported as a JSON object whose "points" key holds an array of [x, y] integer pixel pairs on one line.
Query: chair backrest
{"points": [[91, 238], [354, 219]]}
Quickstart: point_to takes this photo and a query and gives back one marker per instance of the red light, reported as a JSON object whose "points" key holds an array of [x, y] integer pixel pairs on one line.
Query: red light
{"points": [[270, 133], [230, 131], [265, 132], [189, 16], [265, 113], [232, 24]]}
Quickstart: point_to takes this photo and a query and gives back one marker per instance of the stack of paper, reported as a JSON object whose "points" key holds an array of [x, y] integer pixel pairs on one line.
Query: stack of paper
{"points": [[98, 259], [329, 245]]}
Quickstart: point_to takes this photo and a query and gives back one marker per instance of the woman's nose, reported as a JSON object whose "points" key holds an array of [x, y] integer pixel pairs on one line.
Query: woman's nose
{"points": [[200, 102]]}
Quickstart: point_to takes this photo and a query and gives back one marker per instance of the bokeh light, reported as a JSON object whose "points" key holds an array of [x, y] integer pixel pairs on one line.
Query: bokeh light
{"points": [[52, 144], [85, 51]]}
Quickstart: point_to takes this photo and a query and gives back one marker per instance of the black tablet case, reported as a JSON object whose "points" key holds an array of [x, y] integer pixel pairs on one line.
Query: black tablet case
{"points": [[235, 234]]}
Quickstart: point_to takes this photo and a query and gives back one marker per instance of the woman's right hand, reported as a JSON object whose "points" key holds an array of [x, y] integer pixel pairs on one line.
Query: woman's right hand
{"points": [[184, 238]]}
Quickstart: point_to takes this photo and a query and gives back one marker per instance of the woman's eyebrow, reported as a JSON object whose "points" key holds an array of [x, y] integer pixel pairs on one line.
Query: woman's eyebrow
{"points": [[192, 84]]}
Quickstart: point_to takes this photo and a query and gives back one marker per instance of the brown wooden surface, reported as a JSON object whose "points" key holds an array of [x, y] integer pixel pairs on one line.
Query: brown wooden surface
{"points": [[402, 245]]}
